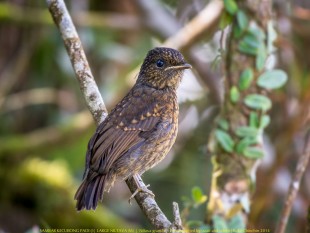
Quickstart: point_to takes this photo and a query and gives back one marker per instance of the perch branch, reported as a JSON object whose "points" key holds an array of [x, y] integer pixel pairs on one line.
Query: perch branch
{"points": [[78, 60], [294, 185], [94, 100], [149, 206]]}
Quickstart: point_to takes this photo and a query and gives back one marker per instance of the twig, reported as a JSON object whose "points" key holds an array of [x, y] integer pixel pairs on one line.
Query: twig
{"points": [[197, 26], [94, 101], [294, 185], [177, 37], [166, 25]]}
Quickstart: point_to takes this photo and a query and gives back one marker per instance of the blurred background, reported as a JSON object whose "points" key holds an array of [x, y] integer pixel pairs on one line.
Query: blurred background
{"points": [[45, 126]]}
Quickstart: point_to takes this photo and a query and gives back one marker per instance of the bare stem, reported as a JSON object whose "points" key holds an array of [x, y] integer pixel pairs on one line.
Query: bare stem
{"points": [[294, 186]]}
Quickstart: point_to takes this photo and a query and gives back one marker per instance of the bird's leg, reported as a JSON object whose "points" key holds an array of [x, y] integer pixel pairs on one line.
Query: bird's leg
{"points": [[140, 187]]}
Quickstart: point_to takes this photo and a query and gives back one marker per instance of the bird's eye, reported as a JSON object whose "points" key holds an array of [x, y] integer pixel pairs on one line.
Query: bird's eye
{"points": [[160, 63]]}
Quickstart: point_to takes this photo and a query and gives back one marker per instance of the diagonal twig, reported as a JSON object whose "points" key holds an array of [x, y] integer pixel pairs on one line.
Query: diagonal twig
{"points": [[294, 185]]}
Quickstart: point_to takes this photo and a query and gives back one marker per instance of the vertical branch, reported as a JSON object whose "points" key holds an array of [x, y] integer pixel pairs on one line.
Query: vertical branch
{"points": [[294, 186], [239, 131]]}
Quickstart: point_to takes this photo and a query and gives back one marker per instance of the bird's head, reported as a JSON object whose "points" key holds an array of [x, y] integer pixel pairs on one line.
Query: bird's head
{"points": [[162, 68]]}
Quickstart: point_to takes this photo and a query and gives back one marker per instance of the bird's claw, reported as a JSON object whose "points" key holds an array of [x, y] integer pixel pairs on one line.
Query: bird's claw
{"points": [[141, 189]]}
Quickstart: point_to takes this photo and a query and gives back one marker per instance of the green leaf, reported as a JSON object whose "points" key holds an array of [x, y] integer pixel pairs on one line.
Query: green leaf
{"points": [[234, 94], [237, 32], [242, 24], [272, 79], [223, 124], [264, 122], [224, 140], [242, 20], [231, 6], [237, 222], [253, 152], [244, 143], [196, 193], [257, 101], [253, 120], [198, 196], [245, 79], [219, 223], [246, 48], [225, 20], [246, 131], [252, 41], [261, 57], [257, 32]]}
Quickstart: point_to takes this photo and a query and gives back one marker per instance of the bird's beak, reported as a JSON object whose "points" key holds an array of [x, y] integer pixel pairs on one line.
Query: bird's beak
{"points": [[180, 67]]}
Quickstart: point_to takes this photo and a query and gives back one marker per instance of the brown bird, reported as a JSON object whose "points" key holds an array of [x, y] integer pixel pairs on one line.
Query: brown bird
{"points": [[139, 131]]}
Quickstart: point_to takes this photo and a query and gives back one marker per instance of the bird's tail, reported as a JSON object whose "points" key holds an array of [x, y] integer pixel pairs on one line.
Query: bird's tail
{"points": [[90, 192]]}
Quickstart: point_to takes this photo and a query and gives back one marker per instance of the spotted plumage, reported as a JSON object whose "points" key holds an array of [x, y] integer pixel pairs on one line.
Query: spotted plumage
{"points": [[139, 131]]}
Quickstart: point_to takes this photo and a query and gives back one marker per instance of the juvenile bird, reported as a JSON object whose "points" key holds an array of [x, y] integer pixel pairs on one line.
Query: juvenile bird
{"points": [[139, 131]]}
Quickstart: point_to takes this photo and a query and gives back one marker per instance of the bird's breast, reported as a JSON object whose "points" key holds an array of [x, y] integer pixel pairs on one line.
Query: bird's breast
{"points": [[167, 107]]}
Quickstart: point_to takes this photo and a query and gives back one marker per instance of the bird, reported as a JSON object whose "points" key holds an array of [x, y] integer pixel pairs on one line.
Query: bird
{"points": [[139, 132]]}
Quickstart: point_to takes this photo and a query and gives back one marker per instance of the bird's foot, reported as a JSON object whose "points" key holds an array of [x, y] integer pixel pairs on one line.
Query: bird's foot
{"points": [[141, 189]]}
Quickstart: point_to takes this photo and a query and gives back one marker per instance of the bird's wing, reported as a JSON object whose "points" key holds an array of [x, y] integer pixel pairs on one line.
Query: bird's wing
{"points": [[122, 130]]}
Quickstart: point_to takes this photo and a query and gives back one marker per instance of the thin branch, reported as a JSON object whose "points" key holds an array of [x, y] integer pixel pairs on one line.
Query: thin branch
{"points": [[198, 26], [167, 26], [294, 186], [94, 100], [78, 60]]}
